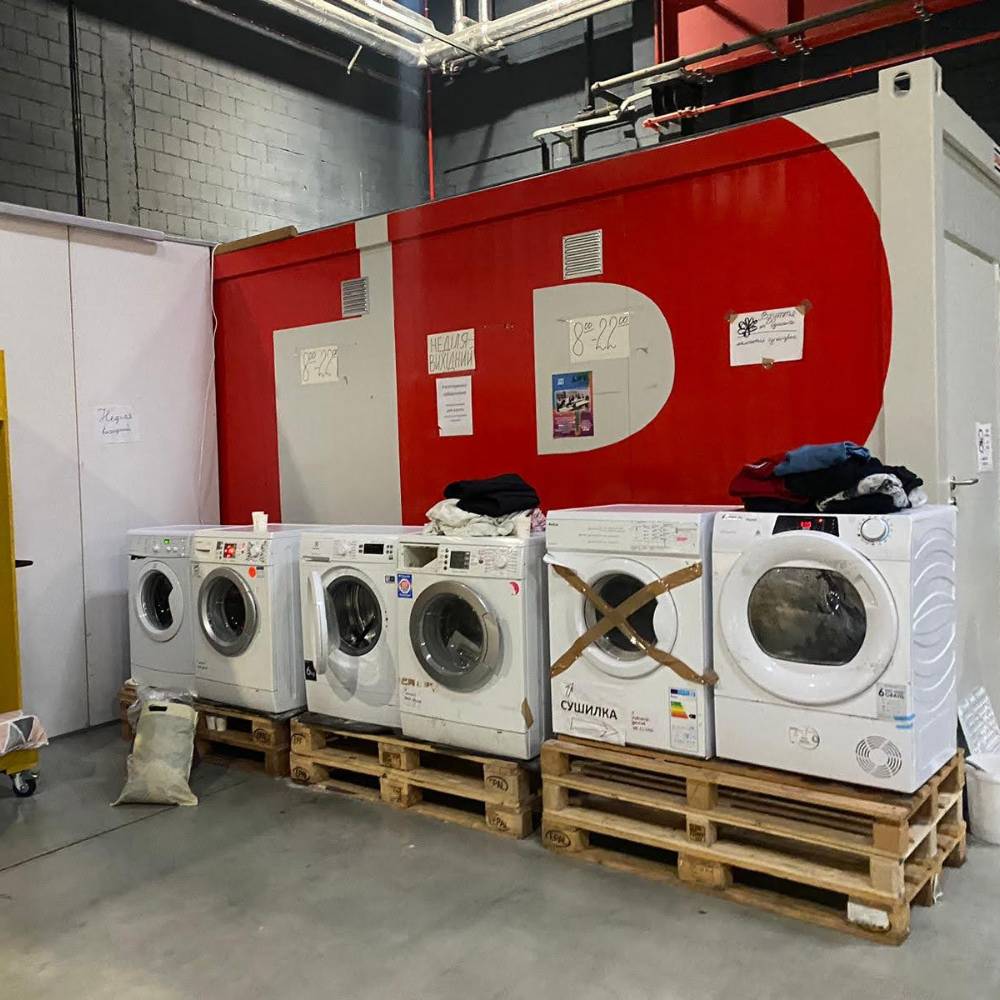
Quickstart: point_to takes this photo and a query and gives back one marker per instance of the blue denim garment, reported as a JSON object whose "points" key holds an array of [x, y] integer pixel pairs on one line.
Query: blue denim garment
{"points": [[813, 457]]}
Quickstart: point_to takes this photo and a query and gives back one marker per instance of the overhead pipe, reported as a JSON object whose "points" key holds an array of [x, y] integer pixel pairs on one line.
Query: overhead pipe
{"points": [[278, 36], [760, 38], [659, 121], [519, 26], [357, 29]]}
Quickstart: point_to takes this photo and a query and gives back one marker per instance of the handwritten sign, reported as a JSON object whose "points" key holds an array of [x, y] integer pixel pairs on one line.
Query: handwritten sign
{"points": [[451, 352], [318, 365], [766, 336], [597, 338], [116, 423], [454, 406]]}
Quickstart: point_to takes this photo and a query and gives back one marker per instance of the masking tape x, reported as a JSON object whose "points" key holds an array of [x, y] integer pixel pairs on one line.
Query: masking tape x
{"points": [[618, 618]]}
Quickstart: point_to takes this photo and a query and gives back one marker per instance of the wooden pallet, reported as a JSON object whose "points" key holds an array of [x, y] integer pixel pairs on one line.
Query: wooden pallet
{"points": [[258, 741], [484, 793], [127, 695], [850, 858], [252, 740]]}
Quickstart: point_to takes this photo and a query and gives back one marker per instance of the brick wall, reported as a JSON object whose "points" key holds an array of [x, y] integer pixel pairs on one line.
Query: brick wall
{"points": [[196, 126], [37, 160]]}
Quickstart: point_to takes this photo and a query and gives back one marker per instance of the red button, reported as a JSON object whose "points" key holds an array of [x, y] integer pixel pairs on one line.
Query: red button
{"points": [[252, 571]]}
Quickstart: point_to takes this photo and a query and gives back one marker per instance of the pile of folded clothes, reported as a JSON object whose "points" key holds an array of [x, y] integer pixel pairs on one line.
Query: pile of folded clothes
{"points": [[502, 505], [838, 478]]}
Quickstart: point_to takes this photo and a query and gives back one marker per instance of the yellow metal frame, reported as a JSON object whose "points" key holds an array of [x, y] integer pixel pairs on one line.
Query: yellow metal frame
{"points": [[10, 653]]}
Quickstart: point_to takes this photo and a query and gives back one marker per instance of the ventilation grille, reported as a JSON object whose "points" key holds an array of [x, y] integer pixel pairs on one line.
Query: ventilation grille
{"points": [[879, 757], [354, 297], [583, 254]]}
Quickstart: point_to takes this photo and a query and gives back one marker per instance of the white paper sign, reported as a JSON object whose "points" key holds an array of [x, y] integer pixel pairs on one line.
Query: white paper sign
{"points": [[454, 406], [318, 365], [451, 352], [116, 423], [984, 447], [767, 335], [596, 338]]}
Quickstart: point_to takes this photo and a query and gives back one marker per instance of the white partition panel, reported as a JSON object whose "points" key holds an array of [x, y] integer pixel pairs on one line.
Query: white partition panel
{"points": [[36, 334], [142, 319]]}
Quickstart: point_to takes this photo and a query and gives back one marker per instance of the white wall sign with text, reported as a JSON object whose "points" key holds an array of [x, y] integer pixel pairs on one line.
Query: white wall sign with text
{"points": [[451, 352], [318, 365], [116, 423], [984, 447], [766, 336], [598, 338], [454, 406]]}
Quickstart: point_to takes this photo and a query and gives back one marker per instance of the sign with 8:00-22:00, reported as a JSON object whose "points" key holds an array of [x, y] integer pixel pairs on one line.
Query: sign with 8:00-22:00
{"points": [[599, 337]]}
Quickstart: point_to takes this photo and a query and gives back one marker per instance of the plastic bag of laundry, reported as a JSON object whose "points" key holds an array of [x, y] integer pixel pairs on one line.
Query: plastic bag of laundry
{"points": [[160, 763]]}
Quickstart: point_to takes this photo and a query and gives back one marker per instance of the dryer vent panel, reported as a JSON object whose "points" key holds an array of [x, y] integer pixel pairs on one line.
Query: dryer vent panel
{"points": [[879, 757], [583, 254], [354, 297]]}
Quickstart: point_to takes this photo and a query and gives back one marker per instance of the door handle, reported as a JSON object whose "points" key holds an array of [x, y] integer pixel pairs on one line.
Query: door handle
{"points": [[954, 483]]}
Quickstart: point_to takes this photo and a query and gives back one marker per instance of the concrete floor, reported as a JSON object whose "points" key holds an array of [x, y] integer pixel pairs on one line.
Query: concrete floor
{"points": [[269, 890]]}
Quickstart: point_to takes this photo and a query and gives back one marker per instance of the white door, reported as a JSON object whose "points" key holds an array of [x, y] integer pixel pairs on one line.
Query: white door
{"points": [[970, 400], [807, 618], [227, 612]]}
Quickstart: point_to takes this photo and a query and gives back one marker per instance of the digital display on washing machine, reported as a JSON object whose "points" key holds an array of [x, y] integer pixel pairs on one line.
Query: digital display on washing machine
{"points": [[805, 522], [459, 560], [229, 550], [371, 549]]}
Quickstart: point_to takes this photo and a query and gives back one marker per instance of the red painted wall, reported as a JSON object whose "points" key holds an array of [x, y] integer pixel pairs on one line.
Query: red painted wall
{"points": [[757, 217]]}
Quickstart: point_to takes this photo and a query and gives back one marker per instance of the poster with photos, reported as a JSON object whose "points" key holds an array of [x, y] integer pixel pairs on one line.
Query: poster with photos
{"points": [[573, 404]]}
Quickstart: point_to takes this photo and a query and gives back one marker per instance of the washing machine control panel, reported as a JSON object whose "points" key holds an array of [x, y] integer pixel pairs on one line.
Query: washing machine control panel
{"points": [[350, 548], [492, 560], [621, 536], [232, 550], [806, 522], [164, 546]]}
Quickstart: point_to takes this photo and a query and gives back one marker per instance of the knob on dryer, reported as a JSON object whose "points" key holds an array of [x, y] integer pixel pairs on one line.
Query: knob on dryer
{"points": [[342, 548], [874, 529]]}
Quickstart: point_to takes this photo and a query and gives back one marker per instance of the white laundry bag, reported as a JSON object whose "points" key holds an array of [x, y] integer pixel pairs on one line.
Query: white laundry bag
{"points": [[983, 783]]}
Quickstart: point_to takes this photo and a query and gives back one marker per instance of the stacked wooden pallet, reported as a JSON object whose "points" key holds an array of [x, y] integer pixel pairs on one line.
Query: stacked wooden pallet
{"points": [[844, 857], [471, 789], [240, 737]]}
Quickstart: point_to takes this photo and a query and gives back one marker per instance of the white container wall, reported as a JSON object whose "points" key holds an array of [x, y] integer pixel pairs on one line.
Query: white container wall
{"points": [[110, 374]]}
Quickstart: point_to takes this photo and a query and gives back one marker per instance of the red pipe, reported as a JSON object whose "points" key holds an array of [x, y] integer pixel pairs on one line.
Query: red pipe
{"points": [[990, 36]]}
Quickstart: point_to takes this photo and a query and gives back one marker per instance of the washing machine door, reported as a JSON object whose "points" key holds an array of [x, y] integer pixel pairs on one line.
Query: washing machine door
{"points": [[455, 636], [227, 611], [351, 622], [808, 618], [615, 653], [158, 601]]}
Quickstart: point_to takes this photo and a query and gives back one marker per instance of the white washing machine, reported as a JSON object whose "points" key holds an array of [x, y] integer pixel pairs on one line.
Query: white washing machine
{"points": [[835, 643], [248, 637], [347, 578], [613, 690], [161, 616], [472, 642]]}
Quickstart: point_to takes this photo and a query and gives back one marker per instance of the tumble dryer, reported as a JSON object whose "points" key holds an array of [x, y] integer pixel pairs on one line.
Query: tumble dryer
{"points": [[347, 579], [248, 637], [612, 688], [472, 651], [835, 643], [161, 616]]}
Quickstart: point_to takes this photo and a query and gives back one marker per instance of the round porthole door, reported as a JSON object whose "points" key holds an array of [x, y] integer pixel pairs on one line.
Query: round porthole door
{"points": [[807, 618], [616, 653], [227, 611], [159, 601], [455, 636]]}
